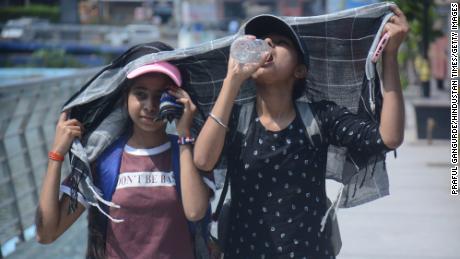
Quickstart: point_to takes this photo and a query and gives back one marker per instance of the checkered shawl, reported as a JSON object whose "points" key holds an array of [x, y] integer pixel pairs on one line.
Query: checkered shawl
{"points": [[340, 45]]}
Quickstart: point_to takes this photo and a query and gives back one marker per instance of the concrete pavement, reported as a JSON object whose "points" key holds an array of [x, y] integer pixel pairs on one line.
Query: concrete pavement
{"points": [[71, 245], [419, 219]]}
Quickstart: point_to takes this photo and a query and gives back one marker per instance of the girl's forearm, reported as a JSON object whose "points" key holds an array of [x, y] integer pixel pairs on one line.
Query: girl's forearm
{"points": [[52, 218], [195, 194], [392, 117], [47, 218], [210, 141]]}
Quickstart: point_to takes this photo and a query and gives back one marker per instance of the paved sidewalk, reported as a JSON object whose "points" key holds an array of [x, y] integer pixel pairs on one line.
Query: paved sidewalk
{"points": [[420, 219], [71, 245]]}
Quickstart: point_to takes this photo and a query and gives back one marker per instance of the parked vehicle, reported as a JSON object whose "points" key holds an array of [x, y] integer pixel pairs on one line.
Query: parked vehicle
{"points": [[21, 29]]}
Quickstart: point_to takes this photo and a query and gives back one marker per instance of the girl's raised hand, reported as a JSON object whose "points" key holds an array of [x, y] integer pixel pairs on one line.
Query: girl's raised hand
{"points": [[66, 132], [241, 72], [184, 124], [397, 28]]}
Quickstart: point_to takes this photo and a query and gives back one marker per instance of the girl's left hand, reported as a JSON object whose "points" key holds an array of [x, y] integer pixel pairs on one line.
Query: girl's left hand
{"points": [[397, 28], [184, 124]]}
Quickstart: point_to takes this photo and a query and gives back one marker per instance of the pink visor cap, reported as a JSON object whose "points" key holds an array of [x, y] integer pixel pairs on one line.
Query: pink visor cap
{"points": [[158, 67]]}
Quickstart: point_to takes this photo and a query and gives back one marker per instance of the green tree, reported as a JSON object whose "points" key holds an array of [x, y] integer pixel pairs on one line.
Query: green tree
{"points": [[41, 11], [414, 45], [56, 58]]}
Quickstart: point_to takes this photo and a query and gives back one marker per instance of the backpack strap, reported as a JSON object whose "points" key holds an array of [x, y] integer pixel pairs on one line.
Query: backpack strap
{"points": [[175, 160], [312, 132], [312, 128], [244, 118], [242, 127], [216, 213], [108, 166]]}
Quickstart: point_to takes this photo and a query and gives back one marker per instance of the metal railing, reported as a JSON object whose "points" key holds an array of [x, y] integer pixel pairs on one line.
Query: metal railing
{"points": [[60, 33], [28, 116]]}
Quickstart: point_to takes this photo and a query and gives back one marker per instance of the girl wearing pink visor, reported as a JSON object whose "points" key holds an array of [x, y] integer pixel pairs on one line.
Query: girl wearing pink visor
{"points": [[151, 215]]}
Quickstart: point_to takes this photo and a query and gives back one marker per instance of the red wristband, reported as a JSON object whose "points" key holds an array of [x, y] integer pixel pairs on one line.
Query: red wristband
{"points": [[55, 156]]}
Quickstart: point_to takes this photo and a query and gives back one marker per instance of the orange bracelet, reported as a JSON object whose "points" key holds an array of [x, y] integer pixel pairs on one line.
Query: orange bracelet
{"points": [[55, 156]]}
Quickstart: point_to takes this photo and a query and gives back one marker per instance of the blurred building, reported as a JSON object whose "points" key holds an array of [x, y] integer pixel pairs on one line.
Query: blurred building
{"points": [[211, 11], [198, 18], [199, 21], [128, 11], [338, 5], [229, 9], [443, 13], [69, 13], [203, 20]]}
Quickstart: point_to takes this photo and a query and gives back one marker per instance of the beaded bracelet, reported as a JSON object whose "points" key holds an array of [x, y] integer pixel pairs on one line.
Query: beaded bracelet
{"points": [[186, 141], [55, 156]]}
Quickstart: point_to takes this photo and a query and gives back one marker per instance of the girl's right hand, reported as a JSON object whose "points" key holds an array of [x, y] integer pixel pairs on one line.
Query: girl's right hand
{"points": [[66, 132], [238, 73]]}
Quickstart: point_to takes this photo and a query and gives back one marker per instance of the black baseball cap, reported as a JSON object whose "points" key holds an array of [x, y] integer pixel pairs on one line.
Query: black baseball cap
{"points": [[265, 24]]}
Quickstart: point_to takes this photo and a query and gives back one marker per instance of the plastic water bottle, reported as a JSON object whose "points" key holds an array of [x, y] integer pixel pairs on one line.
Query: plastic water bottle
{"points": [[246, 50]]}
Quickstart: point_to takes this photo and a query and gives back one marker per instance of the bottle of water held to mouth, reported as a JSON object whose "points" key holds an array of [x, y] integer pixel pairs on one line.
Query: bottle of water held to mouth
{"points": [[247, 50]]}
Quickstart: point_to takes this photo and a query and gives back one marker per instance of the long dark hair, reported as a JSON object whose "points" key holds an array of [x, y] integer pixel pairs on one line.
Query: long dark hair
{"points": [[92, 114], [300, 88], [97, 228]]}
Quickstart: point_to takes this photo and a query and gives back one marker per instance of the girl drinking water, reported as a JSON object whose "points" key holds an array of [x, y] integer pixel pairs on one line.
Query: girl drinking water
{"points": [[277, 173]]}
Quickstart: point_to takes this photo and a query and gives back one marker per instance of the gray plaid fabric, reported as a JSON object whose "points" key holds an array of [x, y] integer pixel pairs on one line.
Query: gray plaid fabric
{"points": [[340, 45]]}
